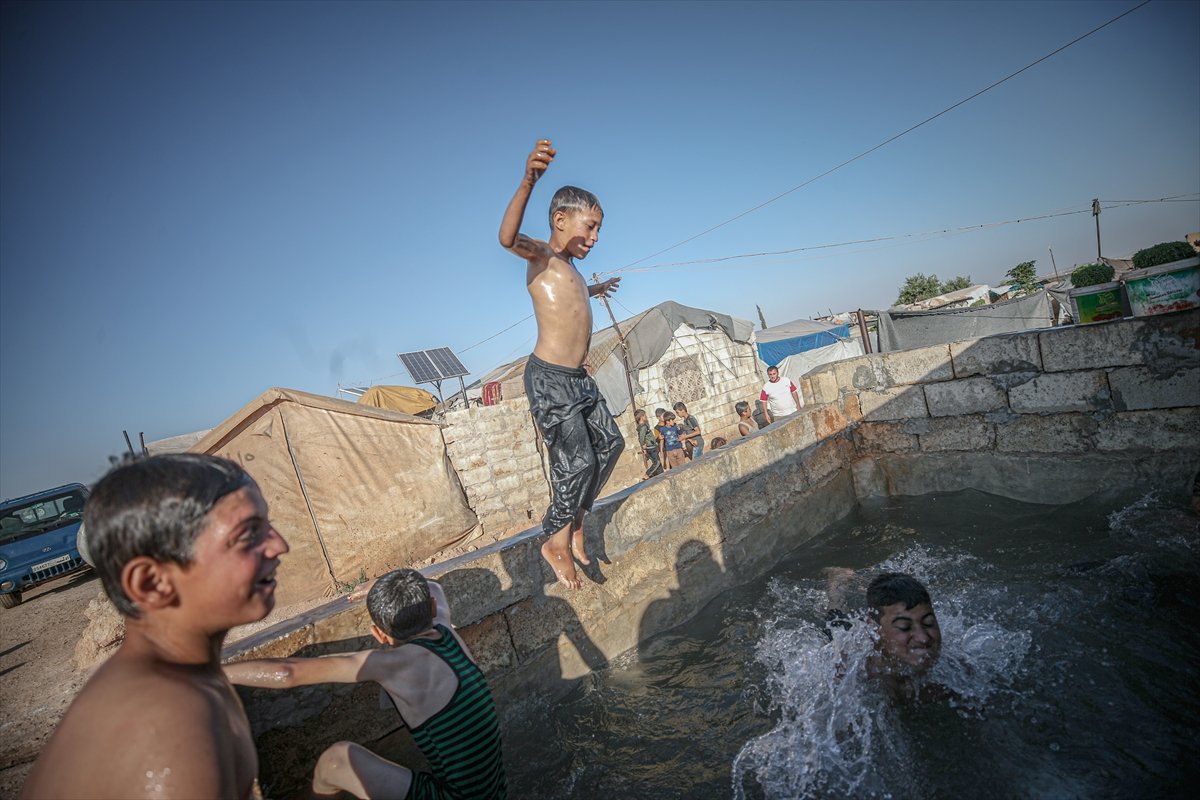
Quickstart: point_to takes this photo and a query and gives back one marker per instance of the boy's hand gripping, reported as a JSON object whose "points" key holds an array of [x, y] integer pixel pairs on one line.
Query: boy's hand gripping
{"points": [[535, 166]]}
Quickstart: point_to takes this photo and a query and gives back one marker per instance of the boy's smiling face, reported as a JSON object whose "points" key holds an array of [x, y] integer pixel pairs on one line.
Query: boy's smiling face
{"points": [[581, 229], [231, 578], [910, 636]]}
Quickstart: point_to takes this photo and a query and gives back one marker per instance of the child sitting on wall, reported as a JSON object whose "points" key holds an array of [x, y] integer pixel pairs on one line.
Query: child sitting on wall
{"points": [[436, 686]]}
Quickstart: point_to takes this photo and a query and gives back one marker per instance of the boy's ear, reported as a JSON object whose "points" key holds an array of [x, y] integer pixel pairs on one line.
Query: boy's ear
{"points": [[380, 636], [559, 220], [148, 583]]}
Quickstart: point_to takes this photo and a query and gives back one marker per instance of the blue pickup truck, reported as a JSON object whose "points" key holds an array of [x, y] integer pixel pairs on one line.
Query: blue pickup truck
{"points": [[37, 539]]}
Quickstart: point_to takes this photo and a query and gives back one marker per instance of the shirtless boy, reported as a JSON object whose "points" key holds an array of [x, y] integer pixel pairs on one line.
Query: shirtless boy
{"points": [[580, 435], [439, 691], [910, 639], [186, 551]]}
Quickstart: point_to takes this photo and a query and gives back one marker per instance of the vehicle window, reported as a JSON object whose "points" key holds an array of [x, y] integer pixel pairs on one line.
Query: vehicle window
{"points": [[41, 516]]}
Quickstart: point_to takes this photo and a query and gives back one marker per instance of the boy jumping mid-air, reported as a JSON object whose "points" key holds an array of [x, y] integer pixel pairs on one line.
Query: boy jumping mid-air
{"points": [[434, 683], [580, 435], [185, 550]]}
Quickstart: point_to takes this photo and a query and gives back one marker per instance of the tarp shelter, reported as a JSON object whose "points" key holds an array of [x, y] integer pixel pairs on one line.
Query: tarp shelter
{"points": [[798, 336], [905, 330], [408, 399], [647, 335], [354, 489]]}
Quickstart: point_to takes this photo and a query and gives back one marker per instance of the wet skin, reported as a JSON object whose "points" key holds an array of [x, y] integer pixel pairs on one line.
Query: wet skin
{"points": [[910, 637]]}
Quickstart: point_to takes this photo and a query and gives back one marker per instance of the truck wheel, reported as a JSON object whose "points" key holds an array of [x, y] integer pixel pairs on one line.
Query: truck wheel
{"points": [[10, 599]]}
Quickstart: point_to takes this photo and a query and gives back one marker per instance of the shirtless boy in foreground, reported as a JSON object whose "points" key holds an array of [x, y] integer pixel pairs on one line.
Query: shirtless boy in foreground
{"points": [[910, 639], [185, 550], [434, 683], [580, 435]]}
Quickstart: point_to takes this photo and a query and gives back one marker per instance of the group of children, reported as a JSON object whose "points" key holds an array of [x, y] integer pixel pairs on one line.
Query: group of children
{"points": [[185, 549], [674, 440]]}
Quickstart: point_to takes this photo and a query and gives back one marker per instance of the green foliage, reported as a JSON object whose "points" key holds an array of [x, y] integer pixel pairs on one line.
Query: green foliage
{"points": [[346, 588], [1023, 274], [1163, 253], [980, 302], [919, 287], [1090, 275]]}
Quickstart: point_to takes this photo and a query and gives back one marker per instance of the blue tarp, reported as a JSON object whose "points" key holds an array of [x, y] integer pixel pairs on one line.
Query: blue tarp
{"points": [[799, 336]]}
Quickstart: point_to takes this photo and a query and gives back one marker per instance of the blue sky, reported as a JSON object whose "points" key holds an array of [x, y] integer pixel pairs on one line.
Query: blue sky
{"points": [[201, 201]]}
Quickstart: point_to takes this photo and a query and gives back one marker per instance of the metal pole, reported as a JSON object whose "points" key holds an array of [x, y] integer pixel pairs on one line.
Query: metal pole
{"points": [[1096, 214], [624, 355], [1052, 261], [862, 329]]}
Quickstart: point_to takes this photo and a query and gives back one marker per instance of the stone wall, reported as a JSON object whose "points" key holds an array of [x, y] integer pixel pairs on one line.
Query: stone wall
{"points": [[1045, 416]]}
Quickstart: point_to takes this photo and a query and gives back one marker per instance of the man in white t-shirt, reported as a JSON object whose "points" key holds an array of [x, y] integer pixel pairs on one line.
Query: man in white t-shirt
{"points": [[779, 397]]}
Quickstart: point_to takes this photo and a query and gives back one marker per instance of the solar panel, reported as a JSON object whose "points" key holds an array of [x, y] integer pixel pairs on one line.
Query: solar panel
{"points": [[420, 367], [432, 366], [447, 363]]}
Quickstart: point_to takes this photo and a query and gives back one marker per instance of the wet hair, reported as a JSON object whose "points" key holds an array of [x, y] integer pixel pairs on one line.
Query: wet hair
{"points": [[740, 406], [154, 507], [399, 604], [680, 407], [890, 588], [718, 441], [574, 199]]}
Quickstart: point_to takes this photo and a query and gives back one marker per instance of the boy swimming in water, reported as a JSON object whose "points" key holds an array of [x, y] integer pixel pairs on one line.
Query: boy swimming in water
{"points": [[910, 639], [185, 550], [429, 674], [580, 434]]}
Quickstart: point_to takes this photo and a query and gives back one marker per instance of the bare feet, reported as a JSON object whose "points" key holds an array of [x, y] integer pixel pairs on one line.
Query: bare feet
{"points": [[577, 547], [558, 555]]}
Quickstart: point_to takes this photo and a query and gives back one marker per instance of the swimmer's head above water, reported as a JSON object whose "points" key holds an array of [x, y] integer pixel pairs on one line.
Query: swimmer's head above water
{"points": [[909, 635]]}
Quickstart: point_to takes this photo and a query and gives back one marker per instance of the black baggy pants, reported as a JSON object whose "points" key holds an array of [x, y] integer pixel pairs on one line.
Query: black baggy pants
{"points": [[581, 437]]}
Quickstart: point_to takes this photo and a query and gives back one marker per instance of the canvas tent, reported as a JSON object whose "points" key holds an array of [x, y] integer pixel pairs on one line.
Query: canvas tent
{"points": [[647, 335], [905, 330], [802, 345], [408, 399], [353, 489]]}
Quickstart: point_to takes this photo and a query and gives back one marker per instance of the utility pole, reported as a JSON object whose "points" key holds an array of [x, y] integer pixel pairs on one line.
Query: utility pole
{"points": [[624, 356], [761, 318], [1096, 214], [1052, 261]]}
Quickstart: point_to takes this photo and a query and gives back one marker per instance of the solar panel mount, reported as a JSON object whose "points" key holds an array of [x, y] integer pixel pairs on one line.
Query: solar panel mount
{"points": [[434, 366]]}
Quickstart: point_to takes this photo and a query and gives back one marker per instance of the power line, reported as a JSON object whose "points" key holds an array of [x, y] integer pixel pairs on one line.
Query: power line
{"points": [[888, 141], [943, 232], [494, 335]]}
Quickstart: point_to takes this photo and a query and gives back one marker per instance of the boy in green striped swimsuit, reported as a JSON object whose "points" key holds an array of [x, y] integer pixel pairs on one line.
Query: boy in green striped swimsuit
{"points": [[434, 683]]}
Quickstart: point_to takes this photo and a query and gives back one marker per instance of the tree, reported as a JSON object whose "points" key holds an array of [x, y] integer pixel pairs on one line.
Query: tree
{"points": [[1023, 274], [918, 287], [954, 284]]}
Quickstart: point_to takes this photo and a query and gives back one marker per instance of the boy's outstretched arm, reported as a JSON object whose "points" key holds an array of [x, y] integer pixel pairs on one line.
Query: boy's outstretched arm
{"points": [[285, 673], [441, 615], [604, 288], [511, 238]]}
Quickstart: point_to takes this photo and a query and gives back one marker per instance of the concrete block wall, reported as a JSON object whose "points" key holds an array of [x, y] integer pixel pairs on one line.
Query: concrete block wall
{"points": [[1043, 416], [494, 450]]}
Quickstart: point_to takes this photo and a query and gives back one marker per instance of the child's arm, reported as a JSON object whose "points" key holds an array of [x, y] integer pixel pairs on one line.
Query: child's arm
{"points": [[604, 288], [285, 673], [441, 614], [511, 238]]}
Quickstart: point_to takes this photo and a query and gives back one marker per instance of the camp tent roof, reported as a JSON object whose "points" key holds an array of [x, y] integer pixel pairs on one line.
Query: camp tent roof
{"points": [[798, 336], [408, 399]]}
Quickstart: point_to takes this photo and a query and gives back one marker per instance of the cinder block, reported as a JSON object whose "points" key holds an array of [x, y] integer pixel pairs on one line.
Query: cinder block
{"points": [[1057, 393], [1055, 433], [884, 437], [922, 365], [994, 355], [1149, 341], [1168, 430], [904, 402], [975, 395], [958, 433], [824, 386], [1135, 388]]}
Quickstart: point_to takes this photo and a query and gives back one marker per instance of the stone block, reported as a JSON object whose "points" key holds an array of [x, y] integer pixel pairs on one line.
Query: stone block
{"points": [[824, 387], [490, 643], [508, 484], [884, 437], [827, 421], [1137, 388], [475, 477], [904, 402], [975, 395], [1171, 339], [825, 460], [859, 373], [1168, 430], [852, 407], [1055, 433], [958, 433], [993, 355], [1056, 393], [922, 365]]}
